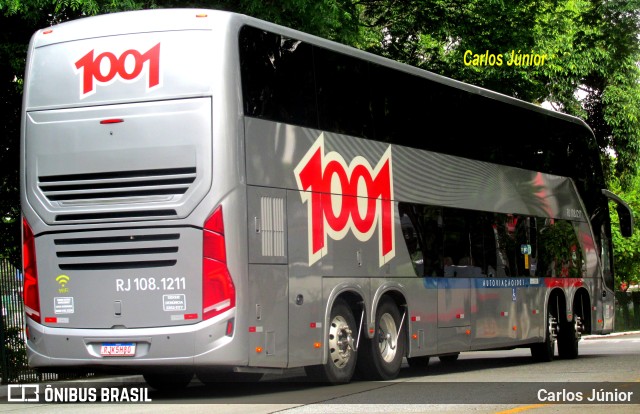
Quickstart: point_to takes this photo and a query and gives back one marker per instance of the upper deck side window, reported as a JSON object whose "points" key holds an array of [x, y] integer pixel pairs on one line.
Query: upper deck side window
{"points": [[277, 78]]}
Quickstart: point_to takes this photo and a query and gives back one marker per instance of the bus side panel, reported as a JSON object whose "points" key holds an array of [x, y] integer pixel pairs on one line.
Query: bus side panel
{"points": [[268, 325], [507, 310], [423, 315], [268, 277], [454, 315], [306, 306]]}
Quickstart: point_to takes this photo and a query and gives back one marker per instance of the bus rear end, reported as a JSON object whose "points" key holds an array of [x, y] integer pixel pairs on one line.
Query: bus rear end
{"points": [[124, 194]]}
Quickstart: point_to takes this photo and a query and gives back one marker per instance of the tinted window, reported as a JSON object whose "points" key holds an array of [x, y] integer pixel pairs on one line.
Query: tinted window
{"points": [[277, 78], [288, 81], [560, 253], [343, 94]]}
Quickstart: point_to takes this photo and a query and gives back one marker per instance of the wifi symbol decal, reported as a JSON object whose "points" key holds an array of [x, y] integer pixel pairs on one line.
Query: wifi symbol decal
{"points": [[62, 281]]}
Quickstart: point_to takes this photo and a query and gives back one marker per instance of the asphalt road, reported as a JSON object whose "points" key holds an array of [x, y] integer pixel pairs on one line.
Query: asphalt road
{"points": [[480, 382]]}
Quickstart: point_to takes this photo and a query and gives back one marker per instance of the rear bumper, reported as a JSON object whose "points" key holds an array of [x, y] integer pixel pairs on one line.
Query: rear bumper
{"points": [[203, 343]]}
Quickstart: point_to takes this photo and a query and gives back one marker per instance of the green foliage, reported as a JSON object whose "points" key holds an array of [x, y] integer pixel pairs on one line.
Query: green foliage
{"points": [[592, 48], [626, 251], [14, 352]]}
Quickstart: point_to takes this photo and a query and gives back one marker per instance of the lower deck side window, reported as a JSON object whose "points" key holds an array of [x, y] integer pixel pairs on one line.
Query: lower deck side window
{"points": [[450, 242]]}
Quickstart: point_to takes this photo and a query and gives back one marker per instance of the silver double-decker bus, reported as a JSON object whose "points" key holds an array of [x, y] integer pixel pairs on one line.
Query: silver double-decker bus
{"points": [[207, 193]]}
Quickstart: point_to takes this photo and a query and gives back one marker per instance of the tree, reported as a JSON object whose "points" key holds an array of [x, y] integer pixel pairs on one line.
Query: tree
{"points": [[591, 47], [625, 250], [19, 19]]}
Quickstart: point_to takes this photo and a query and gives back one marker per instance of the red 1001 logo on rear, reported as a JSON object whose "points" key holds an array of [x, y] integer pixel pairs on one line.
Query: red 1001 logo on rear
{"points": [[343, 198], [106, 67]]}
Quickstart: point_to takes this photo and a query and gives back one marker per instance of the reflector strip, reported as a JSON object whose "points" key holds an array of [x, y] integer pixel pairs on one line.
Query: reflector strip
{"points": [[535, 311], [460, 316], [255, 329], [30, 311], [53, 319], [314, 325], [504, 313], [111, 121], [217, 306], [415, 319], [184, 317]]}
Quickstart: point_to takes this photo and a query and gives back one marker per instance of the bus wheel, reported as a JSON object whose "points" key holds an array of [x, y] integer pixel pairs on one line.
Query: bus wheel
{"points": [[382, 355], [569, 337], [341, 361], [168, 382], [418, 362], [544, 351], [449, 358]]}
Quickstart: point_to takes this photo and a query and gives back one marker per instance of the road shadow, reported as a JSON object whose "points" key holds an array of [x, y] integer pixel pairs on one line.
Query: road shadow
{"points": [[296, 388]]}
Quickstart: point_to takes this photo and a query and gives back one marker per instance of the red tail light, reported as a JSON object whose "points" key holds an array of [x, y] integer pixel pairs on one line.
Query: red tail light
{"points": [[30, 288], [218, 291]]}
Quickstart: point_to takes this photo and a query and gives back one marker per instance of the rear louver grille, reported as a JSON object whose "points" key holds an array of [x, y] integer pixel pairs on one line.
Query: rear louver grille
{"points": [[146, 214], [117, 252], [97, 188]]}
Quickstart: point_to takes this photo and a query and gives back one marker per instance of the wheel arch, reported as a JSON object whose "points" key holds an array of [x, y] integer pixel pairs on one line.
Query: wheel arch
{"points": [[396, 293], [354, 297]]}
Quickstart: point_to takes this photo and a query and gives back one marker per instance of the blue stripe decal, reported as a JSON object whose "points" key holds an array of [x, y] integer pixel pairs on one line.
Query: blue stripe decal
{"points": [[482, 283]]}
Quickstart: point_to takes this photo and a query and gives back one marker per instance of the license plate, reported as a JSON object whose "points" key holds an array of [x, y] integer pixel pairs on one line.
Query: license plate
{"points": [[118, 350]]}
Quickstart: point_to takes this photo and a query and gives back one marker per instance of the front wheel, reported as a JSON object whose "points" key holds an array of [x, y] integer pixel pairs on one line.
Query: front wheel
{"points": [[340, 347], [381, 356]]}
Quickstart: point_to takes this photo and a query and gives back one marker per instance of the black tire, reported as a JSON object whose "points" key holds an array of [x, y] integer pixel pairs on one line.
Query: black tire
{"points": [[168, 382], [420, 362], [545, 351], [340, 345], [569, 338], [448, 359], [381, 357]]}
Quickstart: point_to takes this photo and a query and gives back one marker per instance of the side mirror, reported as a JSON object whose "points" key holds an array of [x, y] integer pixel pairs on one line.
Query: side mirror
{"points": [[625, 215]]}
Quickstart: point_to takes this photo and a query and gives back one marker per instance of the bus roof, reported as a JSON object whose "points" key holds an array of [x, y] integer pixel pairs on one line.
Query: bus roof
{"points": [[144, 21]]}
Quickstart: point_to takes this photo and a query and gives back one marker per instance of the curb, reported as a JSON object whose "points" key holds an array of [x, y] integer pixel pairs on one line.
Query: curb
{"points": [[610, 335]]}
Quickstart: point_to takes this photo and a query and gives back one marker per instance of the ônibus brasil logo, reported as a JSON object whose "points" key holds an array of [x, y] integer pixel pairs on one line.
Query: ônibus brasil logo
{"points": [[342, 198], [106, 67]]}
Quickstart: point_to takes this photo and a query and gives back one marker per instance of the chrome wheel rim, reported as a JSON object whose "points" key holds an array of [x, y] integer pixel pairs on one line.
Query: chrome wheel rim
{"points": [[340, 342], [387, 337]]}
